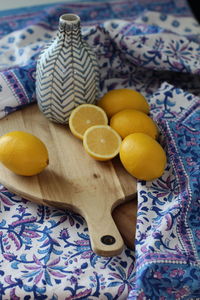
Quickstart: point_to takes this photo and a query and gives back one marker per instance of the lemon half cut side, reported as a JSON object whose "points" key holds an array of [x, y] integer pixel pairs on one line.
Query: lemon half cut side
{"points": [[102, 142], [85, 116]]}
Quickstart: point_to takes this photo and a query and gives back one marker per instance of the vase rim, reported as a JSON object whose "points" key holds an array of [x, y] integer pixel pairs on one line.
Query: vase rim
{"points": [[69, 19]]}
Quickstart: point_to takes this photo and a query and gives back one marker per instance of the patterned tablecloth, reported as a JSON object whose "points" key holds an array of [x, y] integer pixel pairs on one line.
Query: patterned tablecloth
{"points": [[45, 253]]}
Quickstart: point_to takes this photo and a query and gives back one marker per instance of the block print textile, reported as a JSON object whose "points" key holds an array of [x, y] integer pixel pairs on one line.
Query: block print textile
{"points": [[45, 253]]}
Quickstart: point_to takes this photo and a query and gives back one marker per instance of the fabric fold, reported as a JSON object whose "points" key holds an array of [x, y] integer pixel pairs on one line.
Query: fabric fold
{"points": [[152, 47], [125, 50], [167, 247]]}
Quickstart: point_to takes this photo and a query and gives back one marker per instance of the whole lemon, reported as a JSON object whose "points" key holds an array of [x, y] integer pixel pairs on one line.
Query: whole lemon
{"points": [[142, 156], [130, 121], [119, 99], [23, 153]]}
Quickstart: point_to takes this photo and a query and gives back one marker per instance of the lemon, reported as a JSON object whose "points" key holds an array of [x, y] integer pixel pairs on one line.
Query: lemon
{"points": [[85, 116], [23, 153], [130, 121], [142, 156], [120, 99], [101, 142]]}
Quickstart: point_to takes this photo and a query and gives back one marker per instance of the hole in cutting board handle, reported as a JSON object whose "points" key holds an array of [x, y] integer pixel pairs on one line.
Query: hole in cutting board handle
{"points": [[108, 240]]}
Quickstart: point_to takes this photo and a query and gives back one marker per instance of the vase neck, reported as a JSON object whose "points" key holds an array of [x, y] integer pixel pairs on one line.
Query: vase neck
{"points": [[69, 23]]}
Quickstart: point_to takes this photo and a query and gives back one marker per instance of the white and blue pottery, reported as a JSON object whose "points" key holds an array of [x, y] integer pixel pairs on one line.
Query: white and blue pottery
{"points": [[67, 73]]}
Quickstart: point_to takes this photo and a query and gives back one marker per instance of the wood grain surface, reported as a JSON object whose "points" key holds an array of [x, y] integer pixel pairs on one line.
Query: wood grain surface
{"points": [[75, 181], [125, 216]]}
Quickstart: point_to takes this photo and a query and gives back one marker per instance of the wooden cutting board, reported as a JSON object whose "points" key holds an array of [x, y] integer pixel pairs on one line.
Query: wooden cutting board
{"points": [[73, 180]]}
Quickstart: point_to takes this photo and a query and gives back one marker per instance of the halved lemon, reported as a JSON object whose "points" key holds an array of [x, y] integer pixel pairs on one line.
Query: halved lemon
{"points": [[85, 116], [102, 142]]}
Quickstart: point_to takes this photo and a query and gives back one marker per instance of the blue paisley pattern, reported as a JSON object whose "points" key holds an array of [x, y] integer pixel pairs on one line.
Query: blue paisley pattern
{"points": [[167, 242], [45, 253], [52, 248]]}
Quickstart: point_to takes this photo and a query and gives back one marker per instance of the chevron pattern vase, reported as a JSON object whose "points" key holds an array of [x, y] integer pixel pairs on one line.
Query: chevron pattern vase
{"points": [[67, 72]]}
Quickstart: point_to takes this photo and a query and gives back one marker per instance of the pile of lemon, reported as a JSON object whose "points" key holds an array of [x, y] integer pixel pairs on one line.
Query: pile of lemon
{"points": [[120, 124]]}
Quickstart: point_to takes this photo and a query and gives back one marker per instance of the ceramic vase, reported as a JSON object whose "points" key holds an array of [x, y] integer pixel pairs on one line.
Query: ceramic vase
{"points": [[67, 72]]}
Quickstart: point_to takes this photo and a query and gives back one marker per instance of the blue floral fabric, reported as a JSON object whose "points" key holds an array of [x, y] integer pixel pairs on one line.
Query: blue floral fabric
{"points": [[150, 46], [167, 241]]}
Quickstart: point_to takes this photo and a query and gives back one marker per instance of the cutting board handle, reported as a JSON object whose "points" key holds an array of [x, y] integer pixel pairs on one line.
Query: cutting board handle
{"points": [[104, 236]]}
